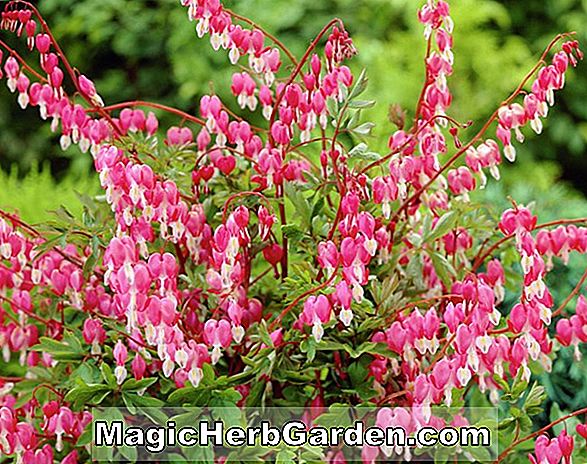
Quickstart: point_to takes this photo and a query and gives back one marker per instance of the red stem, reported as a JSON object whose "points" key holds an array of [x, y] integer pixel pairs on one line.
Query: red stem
{"points": [[158, 106], [538, 432], [392, 396], [576, 290], [230, 149], [294, 303], [16, 221], [297, 71], [48, 387], [284, 242], [427, 301], [481, 132], [274, 39], [68, 67], [480, 259], [409, 140], [425, 86], [234, 196], [22, 61]]}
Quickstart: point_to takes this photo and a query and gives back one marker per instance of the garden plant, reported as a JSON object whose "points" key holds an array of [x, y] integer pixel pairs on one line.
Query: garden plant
{"points": [[274, 259]]}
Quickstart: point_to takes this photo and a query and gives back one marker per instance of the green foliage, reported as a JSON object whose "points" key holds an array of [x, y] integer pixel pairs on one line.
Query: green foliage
{"points": [[539, 184], [130, 45], [37, 194]]}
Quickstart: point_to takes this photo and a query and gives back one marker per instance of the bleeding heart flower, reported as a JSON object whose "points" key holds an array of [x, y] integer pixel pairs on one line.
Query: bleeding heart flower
{"points": [[273, 254]]}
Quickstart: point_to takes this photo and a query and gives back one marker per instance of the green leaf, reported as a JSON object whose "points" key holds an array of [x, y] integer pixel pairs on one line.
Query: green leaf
{"points": [[364, 129], [534, 400], [60, 351], [292, 232], [73, 341], [317, 207], [336, 416], [332, 106], [85, 394], [264, 333], [354, 120], [358, 150], [128, 402], [369, 156], [360, 85], [129, 452], [86, 437], [187, 395], [107, 375], [519, 387], [358, 371], [361, 104], [443, 268], [308, 346], [506, 424], [145, 401], [301, 204], [285, 456], [443, 226], [501, 382], [136, 385], [380, 349], [256, 394]]}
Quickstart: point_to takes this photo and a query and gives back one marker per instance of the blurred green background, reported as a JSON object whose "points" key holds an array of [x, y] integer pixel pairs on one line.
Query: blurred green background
{"points": [[128, 45], [147, 49]]}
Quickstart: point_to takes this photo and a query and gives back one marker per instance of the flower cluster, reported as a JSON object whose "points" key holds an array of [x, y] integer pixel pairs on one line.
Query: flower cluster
{"points": [[536, 103], [555, 450]]}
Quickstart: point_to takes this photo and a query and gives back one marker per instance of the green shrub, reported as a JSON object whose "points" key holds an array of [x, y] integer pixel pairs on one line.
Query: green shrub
{"points": [[37, 194]]}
